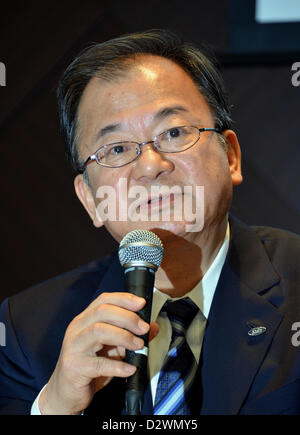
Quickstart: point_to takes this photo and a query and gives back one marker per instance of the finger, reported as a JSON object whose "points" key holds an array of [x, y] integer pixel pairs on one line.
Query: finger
{"points": [[125, 300], [94, 337], [116, 352], [101, 366], [116, 316]]}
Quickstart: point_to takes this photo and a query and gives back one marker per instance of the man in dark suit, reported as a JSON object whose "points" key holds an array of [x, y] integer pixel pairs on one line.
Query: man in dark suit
{"points": [[147, 111]]}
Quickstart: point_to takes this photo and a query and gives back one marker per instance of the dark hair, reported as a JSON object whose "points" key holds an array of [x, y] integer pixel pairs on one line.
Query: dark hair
{"points": [[107, 60]]}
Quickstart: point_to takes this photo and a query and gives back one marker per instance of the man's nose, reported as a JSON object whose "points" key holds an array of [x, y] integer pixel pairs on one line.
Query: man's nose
{"points": [[151, 163]]}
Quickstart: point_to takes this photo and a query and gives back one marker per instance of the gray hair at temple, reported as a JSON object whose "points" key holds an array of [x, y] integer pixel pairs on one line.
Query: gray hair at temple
{"points": [[108, 60]]}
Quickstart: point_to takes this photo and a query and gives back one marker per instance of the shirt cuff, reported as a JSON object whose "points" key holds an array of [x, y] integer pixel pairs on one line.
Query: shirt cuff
{"points": [[35, 410]]}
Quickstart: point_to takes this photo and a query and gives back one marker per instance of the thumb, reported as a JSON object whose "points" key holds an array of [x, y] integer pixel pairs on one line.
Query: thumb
{"points": [[153, 331]]}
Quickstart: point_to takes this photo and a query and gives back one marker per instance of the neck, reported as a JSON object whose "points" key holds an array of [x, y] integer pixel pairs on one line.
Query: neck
{"points": [[186, 261]]}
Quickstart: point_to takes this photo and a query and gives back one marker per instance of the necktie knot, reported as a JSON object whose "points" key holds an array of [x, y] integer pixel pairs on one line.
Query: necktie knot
{"points": [[180, 313]]}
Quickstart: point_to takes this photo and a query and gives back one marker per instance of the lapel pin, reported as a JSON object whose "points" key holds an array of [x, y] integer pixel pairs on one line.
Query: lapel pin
{"points": [[258, 330]]}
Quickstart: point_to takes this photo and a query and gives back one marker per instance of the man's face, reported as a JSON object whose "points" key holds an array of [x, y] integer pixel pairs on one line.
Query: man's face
{"points": [[154, 95]]}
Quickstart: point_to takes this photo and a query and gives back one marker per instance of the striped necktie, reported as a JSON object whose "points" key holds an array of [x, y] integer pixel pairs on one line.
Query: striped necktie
{"points": [[174, 388]]}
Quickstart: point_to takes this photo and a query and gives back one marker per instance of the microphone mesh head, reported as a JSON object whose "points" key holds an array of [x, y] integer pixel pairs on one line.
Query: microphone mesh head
{"points": [[141, 246]]}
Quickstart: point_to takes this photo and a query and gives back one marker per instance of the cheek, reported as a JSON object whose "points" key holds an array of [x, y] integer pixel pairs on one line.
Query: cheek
{"points": [[203, 168], [106, 190], [104, 179], [218, 184], [217, 169], [218, 190], [210, 169], [110, 194]]}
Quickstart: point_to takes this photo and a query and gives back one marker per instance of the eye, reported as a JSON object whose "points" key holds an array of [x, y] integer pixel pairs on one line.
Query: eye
{"points": [[174, 133], [117, 149]]}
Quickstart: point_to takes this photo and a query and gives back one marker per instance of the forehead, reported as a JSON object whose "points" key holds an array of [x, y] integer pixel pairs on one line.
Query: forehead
{"points": [[148, 85]]}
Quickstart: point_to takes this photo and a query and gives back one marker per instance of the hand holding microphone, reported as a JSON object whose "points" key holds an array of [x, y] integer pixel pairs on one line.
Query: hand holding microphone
{"points": [[94, 344]]}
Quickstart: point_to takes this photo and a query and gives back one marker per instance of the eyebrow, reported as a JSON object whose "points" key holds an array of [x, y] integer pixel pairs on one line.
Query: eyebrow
{"points": [[169, 111], [110, 128], [161, 114]]}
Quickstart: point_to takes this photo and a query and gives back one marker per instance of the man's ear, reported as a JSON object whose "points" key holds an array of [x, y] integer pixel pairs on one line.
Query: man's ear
{"points": [[85, 196], [234, 156]]}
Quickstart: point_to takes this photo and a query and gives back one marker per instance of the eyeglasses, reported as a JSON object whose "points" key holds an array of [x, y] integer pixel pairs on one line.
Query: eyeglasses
{"points": [[174, 140]]}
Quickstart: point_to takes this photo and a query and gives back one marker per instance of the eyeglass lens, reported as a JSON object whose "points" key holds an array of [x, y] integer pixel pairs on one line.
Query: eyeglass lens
{"points": [[173, 140]]}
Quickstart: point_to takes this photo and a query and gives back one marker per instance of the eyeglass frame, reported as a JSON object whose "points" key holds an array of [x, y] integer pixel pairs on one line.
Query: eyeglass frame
{"points": [[93, 157]]}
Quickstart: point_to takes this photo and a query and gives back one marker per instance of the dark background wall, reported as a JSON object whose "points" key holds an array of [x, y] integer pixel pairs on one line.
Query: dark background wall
{"points": [[45, 231]]}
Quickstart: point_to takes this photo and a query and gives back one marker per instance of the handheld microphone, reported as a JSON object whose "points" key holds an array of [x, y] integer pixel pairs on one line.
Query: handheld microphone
{"points": [[140, 253]]}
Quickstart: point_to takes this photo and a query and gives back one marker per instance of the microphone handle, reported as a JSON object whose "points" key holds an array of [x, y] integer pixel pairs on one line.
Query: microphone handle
{"points": [[139, 281]]}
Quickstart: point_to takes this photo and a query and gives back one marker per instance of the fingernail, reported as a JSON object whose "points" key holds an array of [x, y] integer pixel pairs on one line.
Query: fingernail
{"points": [[140, 299], [138, 342], [129, 368], [143, 326]]}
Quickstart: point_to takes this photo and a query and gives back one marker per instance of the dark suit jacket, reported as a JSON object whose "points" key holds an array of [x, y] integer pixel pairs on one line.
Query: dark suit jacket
{"points": [[238, 374]]}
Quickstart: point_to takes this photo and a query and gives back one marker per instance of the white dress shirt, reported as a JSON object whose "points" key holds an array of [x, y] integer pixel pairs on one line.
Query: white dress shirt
{"points": [[202, 295]]}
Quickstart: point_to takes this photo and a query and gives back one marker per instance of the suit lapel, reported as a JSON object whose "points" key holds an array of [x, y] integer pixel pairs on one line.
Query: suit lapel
{"points": [[245, 297]]}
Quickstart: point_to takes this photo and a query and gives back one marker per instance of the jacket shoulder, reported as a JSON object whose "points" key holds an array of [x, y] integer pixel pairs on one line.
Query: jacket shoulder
{"points": [[69, 291], [53, 304], [283, 250], [271, 233], [35, 322]]}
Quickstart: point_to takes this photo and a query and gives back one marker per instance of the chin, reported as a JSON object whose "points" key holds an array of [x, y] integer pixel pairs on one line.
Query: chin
{"points": [[163, 229], [166, 230]]}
